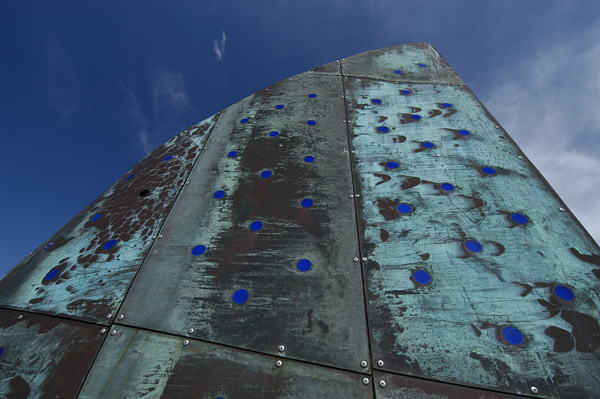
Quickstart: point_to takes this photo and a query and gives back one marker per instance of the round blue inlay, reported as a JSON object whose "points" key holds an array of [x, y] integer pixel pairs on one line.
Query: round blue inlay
{"points": [[309, 159], [245, 120], [405, 91], [1, 351], [312, 95], [279, 106], [219, 194], [404, 208], [512, 335], [51, 274], [240, 296], [232, 154], [167, 157], [110, 244], [383, 129], [488, 171], [274, 133], [473, 246], [564, 293], [129, 177], [51, 243], [397, 71], [304, 265], [255, 226], [447, 187], [415, 116], [392, 165], [311, 122], [427, 144], [464, 132], [422, 65], [265, 174], [422, 277], [376, 101], [198, 250], [518, 218], [446, 105], [307, 203], [95, 217]]}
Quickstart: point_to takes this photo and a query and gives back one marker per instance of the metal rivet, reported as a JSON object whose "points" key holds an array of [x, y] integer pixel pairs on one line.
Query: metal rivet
{"points": [[281, 145], [478, 104], [108, 316], [380, 363], [344, 121], [121, 317], [437, 155], [520, 157], [102, 331], [19, 317], [382, 383], [365, 381], [29, 305], [160, 236], [187, 182], [191, 331], [354, 152], [153, 237], [281, 348], [355, 259], [113, 332], [497, 127], [364, 363], [279, 363], [561, 209], [357, 195], [364, 259], [186, 342], [351, 195], [534, 390]]}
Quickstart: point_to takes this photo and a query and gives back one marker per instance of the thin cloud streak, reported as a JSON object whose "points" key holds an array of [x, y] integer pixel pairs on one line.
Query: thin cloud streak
{"points": [[219, 46]]}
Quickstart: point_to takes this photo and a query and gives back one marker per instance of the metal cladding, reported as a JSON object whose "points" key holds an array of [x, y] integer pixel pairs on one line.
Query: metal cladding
{"points": [[365, 229]]}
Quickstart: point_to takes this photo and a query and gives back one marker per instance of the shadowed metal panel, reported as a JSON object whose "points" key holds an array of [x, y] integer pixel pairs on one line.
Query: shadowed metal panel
{"points": [[299, 284], [472, 266], [84, 270], [332, 68], [136, 363], [44, 357]]}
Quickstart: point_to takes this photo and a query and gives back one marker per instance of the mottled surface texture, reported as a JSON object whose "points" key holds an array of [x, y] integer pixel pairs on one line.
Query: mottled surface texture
{"points": [[365, 229]]}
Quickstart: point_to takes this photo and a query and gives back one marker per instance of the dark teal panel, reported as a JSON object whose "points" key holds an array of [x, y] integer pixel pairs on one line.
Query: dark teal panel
{"points": [[416, 62], [84, 270], [487, 313], [44, 357], [318, 314], [136, 363]]}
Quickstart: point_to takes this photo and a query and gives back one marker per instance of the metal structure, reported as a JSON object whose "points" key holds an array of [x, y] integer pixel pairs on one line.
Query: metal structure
{"points": [[362, 230]]}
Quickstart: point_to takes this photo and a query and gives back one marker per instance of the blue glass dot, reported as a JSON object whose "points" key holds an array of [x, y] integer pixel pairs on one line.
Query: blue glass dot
{"points": [[274, 134], [51, 274], [219, 194], [240, 296], [464, 132], [309, 159], [405, 91], [447, 187], [311, 122], [376, 101], [422, 277], [415, 117], [488, 171], [304, 265], [265, 174], [312, 95], [1, 351], [404, 208], [397, 71], [422, 65], [564, 293], [307, 203], [245, 120], [198, 250], [473, 246], [427, 144], [392, 165], [51, 243], [232, 154], [255, 226], [383, 129], [512, 335], [446, 105], [129, 177], [95, 217], [518, 218], [279, 106], [167, 157], [110, 244]]}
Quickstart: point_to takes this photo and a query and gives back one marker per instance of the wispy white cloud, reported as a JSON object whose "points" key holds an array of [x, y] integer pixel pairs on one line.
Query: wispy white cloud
{"points": [[219, 46]]}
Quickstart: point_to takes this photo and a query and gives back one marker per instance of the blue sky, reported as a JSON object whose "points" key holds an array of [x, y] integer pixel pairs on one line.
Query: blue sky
{"points": [[89, 88]]}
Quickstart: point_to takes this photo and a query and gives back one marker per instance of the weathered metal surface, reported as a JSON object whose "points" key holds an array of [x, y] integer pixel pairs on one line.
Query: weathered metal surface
{"points": [[136, 363], [332, 68], [416, 62], [392, 386], [44, 357], [84, 270], [486, 314], [318, 314]]}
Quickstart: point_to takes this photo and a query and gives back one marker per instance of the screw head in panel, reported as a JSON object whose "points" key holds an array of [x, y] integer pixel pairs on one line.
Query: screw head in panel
{"points": [[380, 363], [437, 155], [357, 195], [520, 157], [121, 317], [281, 348], [108, 316], [534, 390], [19, 317], [354, 152], [355, 259], [351, 195], [187, 182], [364, 259], [365, 381], [281, 145], [497, 127], [279, 363], [561, 209], [186, 342], [160, 236], [191, 331], [102, 331], [113, 332], [364, 363], [382, 383]]}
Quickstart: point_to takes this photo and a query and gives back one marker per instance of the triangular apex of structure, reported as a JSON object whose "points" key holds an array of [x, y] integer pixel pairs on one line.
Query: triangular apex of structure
{"points": [[364, 229]]}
